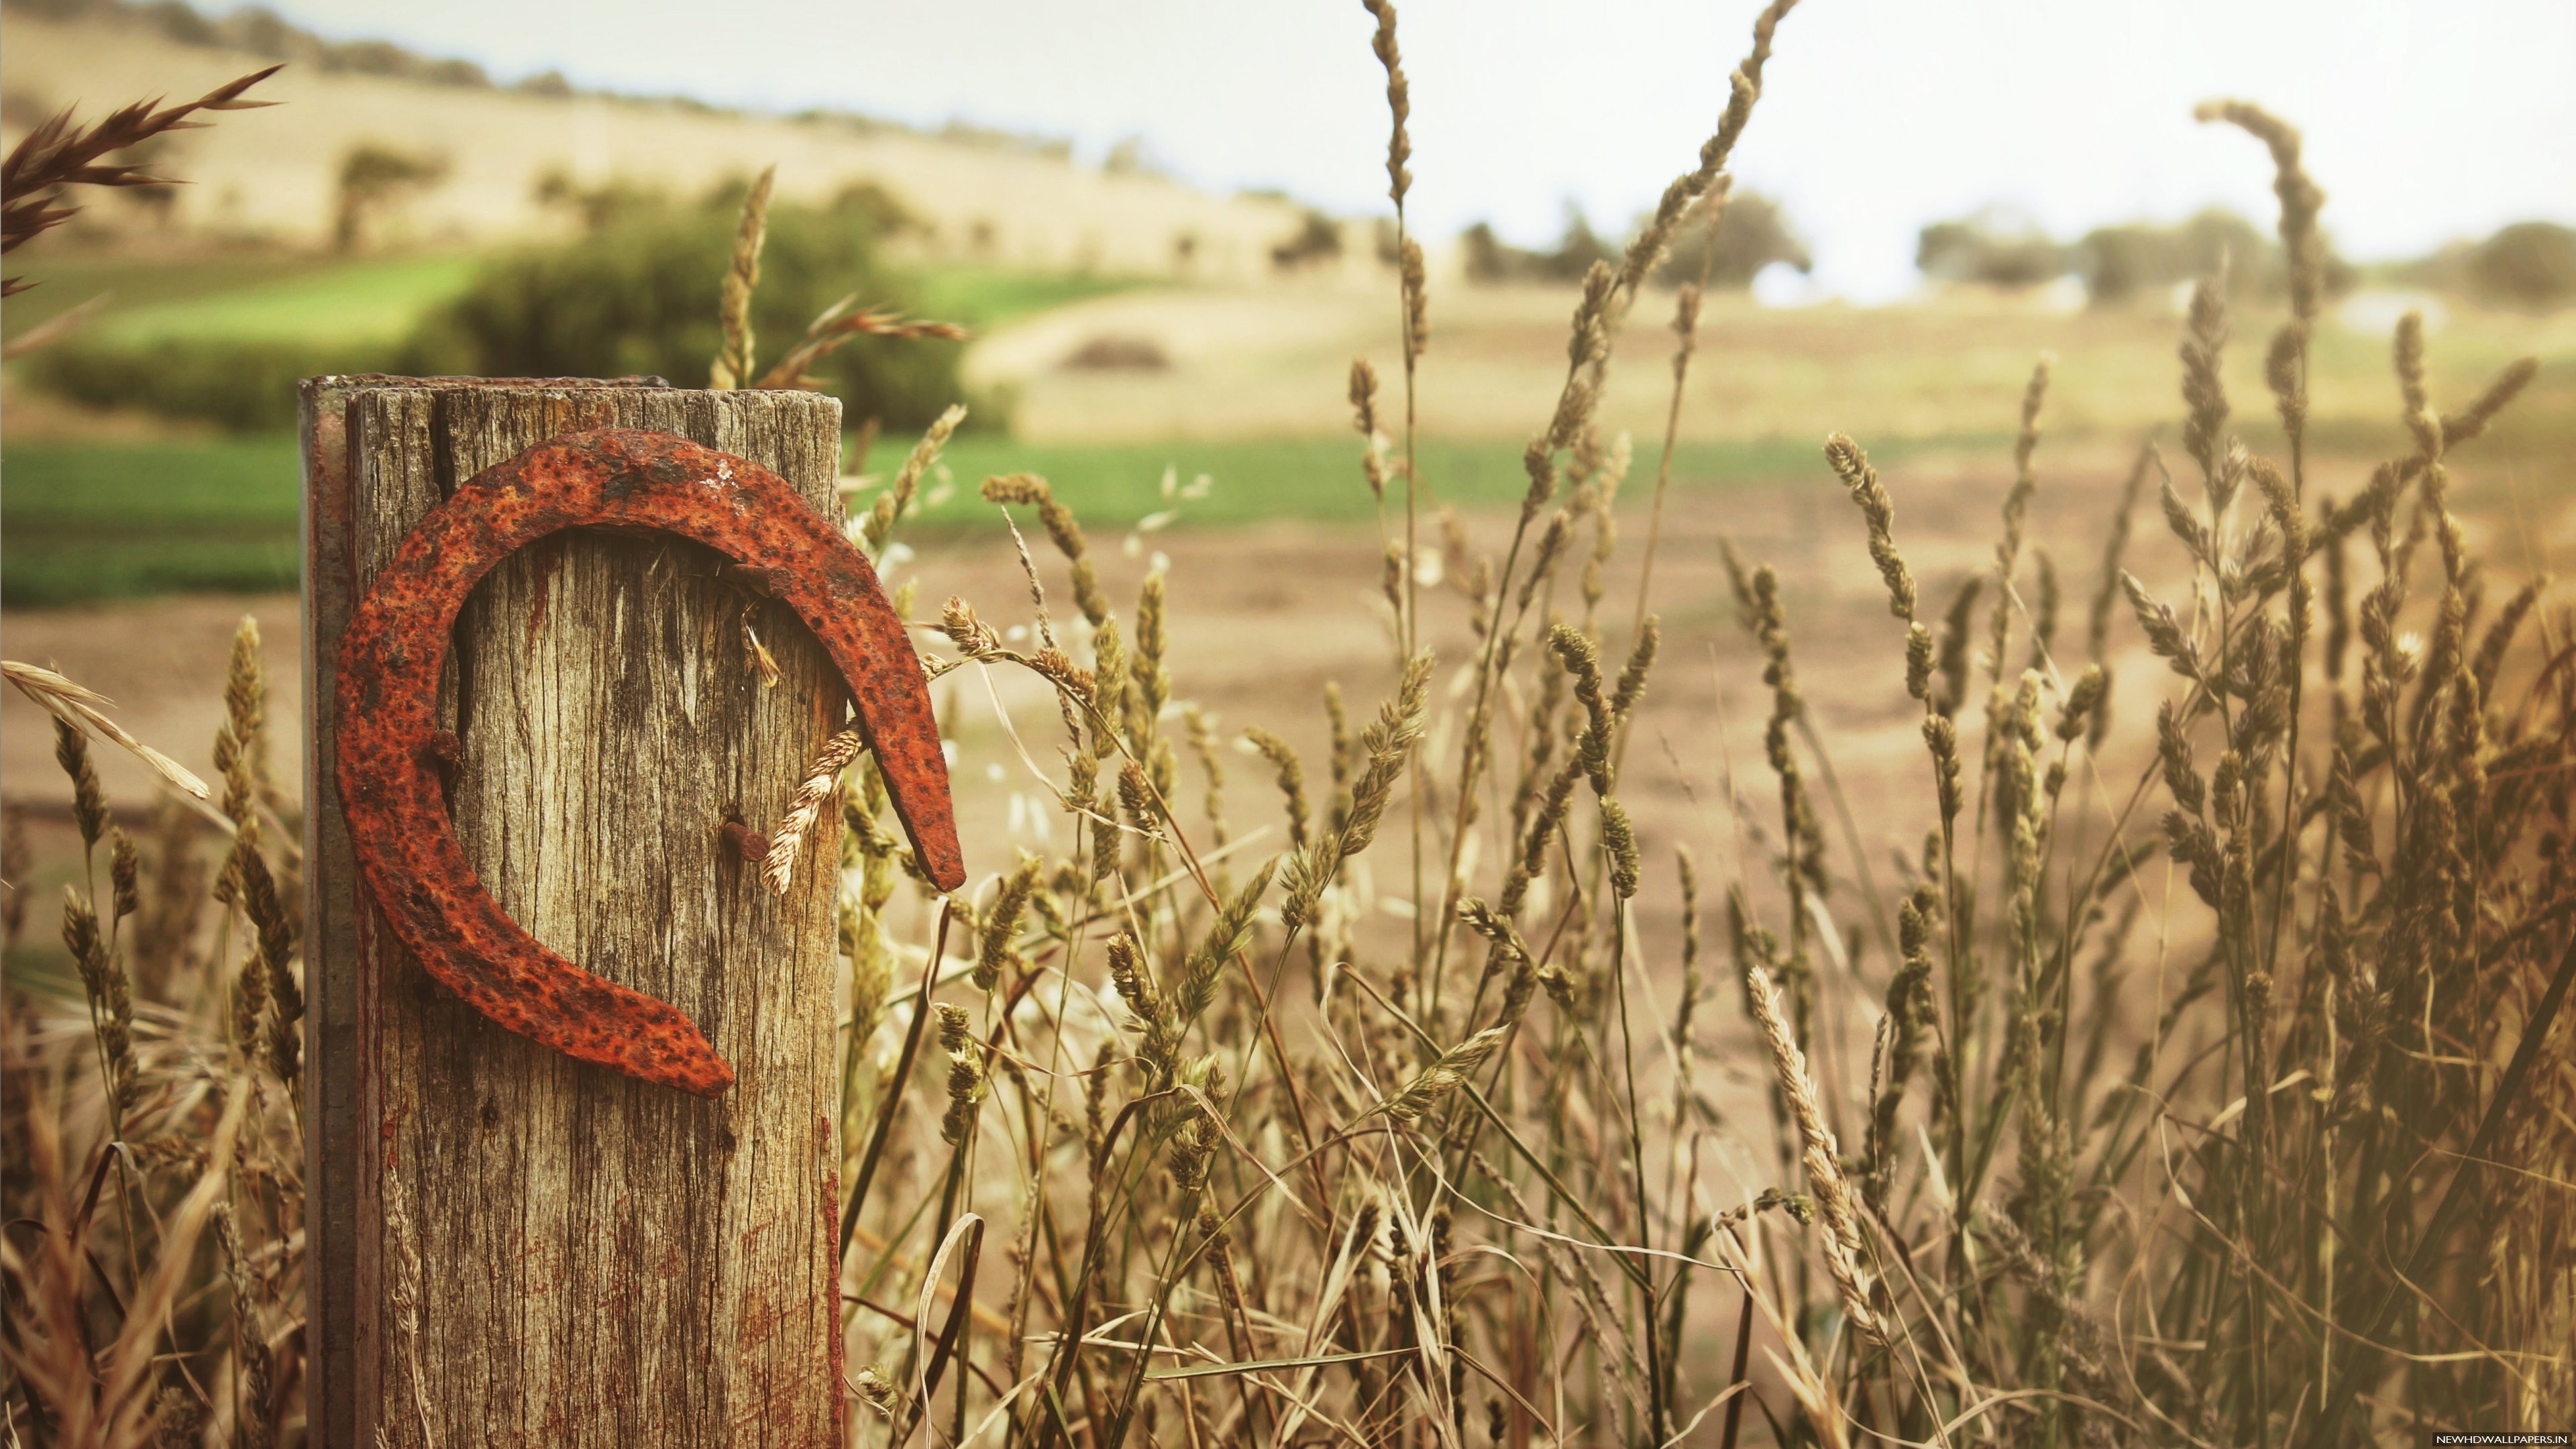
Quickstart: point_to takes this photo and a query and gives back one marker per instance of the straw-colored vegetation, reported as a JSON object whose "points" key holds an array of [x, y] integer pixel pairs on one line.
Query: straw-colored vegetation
{"points": [[2212, 1099]]}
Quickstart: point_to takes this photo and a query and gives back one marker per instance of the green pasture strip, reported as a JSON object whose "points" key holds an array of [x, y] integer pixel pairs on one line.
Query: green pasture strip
{"points": [[1118, 484], [271, 296], [271, 299], [367, 301], [80, 522], [986, 297], [59, 280], [83, 522]]}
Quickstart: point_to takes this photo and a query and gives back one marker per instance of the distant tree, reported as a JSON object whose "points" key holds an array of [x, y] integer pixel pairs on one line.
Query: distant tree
{"points": [[1133, 156], [2122, 263], [1318, 238], [263, 31], [1992, 250], [373, 179], [596, 207], [867, 204], [182, 23], [1751, 234], [2530, 265], [1490, 259], [1577, 248]]}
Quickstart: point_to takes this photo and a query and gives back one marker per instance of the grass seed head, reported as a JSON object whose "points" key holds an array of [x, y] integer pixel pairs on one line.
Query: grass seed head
{"points": [[2301, 198], [1878, 513], [898, 496], [1292, 779], [1444, 1075], [1619, 838], [89, 798]]}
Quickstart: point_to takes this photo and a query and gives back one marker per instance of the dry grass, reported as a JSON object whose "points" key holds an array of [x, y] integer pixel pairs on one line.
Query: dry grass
{"points": [[58, 154], [2212, 1099]]}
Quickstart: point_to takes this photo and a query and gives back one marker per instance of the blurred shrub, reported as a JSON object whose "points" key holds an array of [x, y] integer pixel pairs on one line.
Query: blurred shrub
{"points": [[1318, 238], [1491, 259], [2529, 266], [2118, 264], [1751, 233], [595, 208], [1117, 352], [1992, 250], [375, 178], [2122, 263], [638, 296], [241, 386]]}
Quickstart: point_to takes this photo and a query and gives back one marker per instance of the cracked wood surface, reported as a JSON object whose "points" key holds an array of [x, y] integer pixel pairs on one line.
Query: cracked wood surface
{"points": [[512, 1247]]}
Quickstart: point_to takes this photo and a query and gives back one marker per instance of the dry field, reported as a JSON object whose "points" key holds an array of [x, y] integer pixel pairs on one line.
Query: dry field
{"points": [[274, 179], [1273, 360]]}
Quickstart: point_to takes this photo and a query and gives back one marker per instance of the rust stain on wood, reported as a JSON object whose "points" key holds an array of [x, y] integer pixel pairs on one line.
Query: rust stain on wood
{"points": [[549, 556], [389, 665]]}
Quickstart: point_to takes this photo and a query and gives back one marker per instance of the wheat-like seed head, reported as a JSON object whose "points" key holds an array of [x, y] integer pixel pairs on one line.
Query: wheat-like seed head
{"points": [[2301, 198], [1292, 779], [1581, 659], [821, 784], [998, 953], [965, 1072], [1399, 104], [2461, 427], [89, 798], [1443, 1076], [844, 322], [1843, 1249], [1619, 839], [1641, 661], [1878, 512], [57, 154], [1386, 744], [899, 494], [732, 367], [2204, 391]]}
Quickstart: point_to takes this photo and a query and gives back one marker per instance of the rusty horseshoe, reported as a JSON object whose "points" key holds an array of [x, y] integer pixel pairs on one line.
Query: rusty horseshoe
{"points": [[388, 733]]}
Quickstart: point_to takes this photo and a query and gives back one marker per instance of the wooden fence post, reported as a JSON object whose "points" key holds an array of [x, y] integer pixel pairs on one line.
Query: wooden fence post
{"points": [[507, 1246]]}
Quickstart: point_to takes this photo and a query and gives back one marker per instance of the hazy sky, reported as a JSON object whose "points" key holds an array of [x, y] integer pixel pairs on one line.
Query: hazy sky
{"points": [[2426, 119]]}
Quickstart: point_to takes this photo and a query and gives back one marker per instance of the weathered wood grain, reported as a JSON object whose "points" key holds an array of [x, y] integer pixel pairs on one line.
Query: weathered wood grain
{"points": [[535, 1251]]}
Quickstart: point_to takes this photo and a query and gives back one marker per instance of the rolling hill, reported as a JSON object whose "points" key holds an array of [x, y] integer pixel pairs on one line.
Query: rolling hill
{"points": [[273, 176]]}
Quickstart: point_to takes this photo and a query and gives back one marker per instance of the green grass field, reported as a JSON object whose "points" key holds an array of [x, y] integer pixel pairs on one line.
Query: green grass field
{"points": [[97, 522], [261, 297], [81, 522], [270, 297], [981, 297]]}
